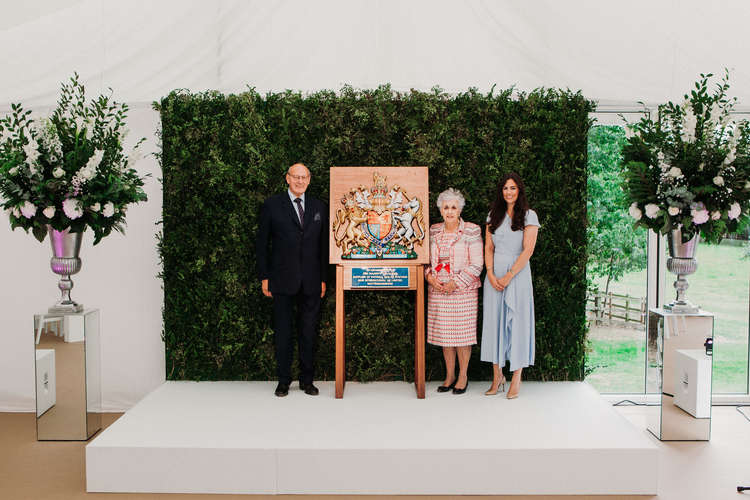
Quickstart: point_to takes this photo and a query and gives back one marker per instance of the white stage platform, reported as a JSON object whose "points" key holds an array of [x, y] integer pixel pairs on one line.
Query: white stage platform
{"points": [[237, 437]]}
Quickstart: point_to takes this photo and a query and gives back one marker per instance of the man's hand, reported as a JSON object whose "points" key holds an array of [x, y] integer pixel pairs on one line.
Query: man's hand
{"points": [[322, 289], [264, 286]]}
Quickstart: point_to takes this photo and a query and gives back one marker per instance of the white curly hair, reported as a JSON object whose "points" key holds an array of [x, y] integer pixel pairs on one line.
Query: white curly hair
{"points": [[451, 194]]}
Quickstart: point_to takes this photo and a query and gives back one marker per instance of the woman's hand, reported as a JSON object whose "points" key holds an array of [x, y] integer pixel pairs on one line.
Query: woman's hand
{"points": [[494, 281], [503, 282], [499, 284], [432, 280], [449, 287]]}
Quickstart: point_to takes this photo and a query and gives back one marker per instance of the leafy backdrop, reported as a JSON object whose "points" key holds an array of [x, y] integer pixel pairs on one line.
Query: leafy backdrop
{"points": [[223, 155]]}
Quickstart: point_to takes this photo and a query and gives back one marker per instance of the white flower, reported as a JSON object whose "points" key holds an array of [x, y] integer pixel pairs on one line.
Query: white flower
{"points": [[95, 160], [689, 121], [84, 174], [13, 171], [109, 209], [28, 209], [734, 211], [673, 211], [32, 152], [719, 180], [715, 215], [16, 213], [95, 207], [651, 210], [49, 212], [58, 172], [79, 122], [731, 156], [675, 172], [635, 212], [72, 208]]}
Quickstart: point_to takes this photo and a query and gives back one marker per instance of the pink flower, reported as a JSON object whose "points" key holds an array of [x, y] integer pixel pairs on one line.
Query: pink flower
{"points": [[28, 209], [699, 213], [734, 211]]}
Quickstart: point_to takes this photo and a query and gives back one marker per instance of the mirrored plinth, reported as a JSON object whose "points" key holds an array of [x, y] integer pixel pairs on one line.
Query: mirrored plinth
{"points": [[680, 369], [68, 386]]}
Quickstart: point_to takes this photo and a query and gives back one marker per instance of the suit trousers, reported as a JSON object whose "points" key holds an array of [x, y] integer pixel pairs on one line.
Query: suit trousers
{"points": [[308, 309]]}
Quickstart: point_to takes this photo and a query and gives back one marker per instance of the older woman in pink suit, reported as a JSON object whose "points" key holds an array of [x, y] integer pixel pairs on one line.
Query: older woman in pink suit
{"points": [[456, 261]]}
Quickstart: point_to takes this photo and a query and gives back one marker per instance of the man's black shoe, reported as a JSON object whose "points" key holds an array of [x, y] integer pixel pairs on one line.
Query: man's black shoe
{"points": [[282, 390], [309, 389]]}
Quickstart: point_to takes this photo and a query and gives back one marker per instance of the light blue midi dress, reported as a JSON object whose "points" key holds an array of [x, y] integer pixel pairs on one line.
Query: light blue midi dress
{"points": [[508, 317]]}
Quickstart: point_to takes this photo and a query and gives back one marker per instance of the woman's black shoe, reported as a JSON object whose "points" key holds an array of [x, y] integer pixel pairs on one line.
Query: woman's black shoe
{"points": [[446, 388], [456, 390]]}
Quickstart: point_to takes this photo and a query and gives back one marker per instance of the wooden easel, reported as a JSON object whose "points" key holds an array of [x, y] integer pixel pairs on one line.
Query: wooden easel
{"points": [[343, 282]]}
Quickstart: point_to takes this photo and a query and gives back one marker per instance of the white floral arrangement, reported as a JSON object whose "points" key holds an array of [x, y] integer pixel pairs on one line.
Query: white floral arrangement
{"points": [[68, 170], [689, 168]]}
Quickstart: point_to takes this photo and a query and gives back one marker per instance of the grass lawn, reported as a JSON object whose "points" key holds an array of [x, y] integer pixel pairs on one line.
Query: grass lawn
{"points": [[720, 285]]}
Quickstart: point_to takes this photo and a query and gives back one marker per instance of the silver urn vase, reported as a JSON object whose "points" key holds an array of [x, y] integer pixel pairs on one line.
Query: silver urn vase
{"points": [[681, 262], [66, 247]]}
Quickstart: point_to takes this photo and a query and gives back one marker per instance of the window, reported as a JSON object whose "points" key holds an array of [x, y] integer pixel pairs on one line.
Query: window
{"points": [[627, 274]]}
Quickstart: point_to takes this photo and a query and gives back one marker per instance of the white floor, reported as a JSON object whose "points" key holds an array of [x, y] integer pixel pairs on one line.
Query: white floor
{"points": [[237, 437]]}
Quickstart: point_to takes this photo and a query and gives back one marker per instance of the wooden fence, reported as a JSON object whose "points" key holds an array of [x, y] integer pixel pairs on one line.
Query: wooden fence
{"points": [[609, 306]]}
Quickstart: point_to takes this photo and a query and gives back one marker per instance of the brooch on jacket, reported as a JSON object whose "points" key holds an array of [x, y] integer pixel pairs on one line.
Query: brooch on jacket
{"points": [[317, 217]]}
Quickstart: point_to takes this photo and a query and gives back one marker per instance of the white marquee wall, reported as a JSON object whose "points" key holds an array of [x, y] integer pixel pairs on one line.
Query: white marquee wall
{"points": [[616, 52]]}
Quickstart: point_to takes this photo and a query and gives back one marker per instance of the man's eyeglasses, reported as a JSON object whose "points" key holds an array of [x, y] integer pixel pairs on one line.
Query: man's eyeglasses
{"points": [[299, 177]]}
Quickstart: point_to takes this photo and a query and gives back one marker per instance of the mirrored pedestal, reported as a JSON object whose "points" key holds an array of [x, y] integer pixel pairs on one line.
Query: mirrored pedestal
{"points": [[68, 386], [680, 369]]}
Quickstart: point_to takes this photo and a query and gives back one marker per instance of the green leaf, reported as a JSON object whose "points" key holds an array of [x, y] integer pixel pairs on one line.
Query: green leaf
{"points": [[39, 232]]}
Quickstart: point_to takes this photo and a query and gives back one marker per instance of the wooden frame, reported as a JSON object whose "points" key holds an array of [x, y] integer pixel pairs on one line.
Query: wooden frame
{"points": [[359, 198]]}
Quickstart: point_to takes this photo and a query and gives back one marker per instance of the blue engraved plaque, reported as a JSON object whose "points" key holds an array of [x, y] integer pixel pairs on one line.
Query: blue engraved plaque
{"points": [[380, 277]]}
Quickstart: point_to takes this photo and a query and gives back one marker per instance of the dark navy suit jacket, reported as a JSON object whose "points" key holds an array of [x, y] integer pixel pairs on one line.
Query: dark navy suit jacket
{"points": [[289, 255]]}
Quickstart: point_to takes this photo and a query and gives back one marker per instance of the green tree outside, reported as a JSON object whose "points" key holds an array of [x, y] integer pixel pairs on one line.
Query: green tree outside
{"points": [[614, 246]]}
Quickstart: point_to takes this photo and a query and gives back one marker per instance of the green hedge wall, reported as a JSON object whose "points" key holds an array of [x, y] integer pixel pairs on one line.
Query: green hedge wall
{"points": [[224, 154]]}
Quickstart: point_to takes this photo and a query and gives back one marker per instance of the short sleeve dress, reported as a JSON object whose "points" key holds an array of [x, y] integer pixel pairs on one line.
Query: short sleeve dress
{"points": [[508, 316]]}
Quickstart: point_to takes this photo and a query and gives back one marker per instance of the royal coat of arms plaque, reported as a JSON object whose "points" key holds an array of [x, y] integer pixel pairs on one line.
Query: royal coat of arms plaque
{"points": [[379, 214]]}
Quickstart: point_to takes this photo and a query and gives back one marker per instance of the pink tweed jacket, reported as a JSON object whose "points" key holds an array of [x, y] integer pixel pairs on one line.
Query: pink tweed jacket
{"points": [[466, 254]]}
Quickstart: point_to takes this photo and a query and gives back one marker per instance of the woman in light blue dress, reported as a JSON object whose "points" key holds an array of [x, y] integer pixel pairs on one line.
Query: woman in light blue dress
{"points": [[508, 326]]}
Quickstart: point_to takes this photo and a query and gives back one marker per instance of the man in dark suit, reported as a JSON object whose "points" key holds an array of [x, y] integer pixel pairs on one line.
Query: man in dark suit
{"points": [[293, 271]]}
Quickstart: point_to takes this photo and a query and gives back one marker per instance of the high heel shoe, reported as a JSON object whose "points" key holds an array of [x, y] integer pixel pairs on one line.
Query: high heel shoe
{"points": [[446, 388], [456, 390], [500, 385], [513, 395]]}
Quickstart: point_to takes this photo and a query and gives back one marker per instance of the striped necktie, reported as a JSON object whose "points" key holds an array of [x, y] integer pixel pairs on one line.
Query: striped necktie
{"points": [[300, 211]]}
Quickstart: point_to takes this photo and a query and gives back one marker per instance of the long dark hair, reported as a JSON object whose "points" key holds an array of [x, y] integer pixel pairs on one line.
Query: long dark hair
{"points": [[500, 206]]}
